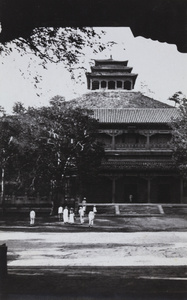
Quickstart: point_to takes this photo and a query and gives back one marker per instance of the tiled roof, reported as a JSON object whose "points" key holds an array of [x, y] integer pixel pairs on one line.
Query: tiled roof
{"points": [[117, 99], [110, 60], [135, 115], [113, 73], [108, 67]]}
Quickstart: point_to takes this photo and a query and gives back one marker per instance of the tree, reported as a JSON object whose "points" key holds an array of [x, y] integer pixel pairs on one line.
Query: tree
{"points": [[9, 132], [179, 134], [18, 108], [55, 45], [69, 139], [48, 145], [177, 98]]}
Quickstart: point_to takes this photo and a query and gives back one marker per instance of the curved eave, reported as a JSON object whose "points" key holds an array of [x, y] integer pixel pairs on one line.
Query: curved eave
{"points": [[111, 61], [110, 68], [135, 115], [102, 74]]}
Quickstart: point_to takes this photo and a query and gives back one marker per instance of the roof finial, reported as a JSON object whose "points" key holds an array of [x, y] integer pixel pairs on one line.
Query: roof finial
{"points": [[110, 56]]}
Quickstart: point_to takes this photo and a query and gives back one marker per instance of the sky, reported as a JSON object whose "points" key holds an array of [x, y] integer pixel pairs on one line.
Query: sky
{"points": [[161, 69]]}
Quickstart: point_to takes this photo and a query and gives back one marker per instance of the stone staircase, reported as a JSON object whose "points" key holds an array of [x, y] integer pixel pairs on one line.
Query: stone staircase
{"points": [[139, 209], [174, 209], [119, 209]]}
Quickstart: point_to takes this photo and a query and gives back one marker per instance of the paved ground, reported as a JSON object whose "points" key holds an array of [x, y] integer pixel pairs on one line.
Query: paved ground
{"points": [[120, 258]]}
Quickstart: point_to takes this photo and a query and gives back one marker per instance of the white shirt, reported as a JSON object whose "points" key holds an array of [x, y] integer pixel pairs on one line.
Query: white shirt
{"points": [[32, 214], [60, 209]]}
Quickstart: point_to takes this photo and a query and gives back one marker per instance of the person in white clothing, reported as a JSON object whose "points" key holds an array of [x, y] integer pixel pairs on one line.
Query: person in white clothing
{"points": [[81, 214], [71, 216], [65, 215], [91, 217], [32, 217], [60, 213], [84, 205]]}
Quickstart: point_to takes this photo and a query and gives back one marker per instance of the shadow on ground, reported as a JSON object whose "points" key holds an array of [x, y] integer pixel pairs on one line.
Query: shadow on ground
{"points": [[96, 283]]}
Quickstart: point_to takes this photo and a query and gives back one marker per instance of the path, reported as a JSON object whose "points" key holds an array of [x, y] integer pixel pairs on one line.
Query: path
{"points": [[95, 249]]}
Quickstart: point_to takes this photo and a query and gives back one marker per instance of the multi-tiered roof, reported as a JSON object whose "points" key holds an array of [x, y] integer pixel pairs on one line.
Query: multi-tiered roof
{"points": [[111, 103], [111, 74]]}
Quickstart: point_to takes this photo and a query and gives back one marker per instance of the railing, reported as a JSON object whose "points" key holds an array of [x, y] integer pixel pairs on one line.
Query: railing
{"points": [[138, 146], [130, 146]]}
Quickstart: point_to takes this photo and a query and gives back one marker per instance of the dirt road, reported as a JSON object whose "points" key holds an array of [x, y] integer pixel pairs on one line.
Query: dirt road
{"points": [[95, 265], [95, 248]]}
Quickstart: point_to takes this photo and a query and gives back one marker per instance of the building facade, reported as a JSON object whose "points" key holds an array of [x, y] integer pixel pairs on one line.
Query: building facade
{"points": [[135, 130]]}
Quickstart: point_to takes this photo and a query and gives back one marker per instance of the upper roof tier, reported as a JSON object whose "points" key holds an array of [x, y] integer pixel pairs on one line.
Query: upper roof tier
{"points": [[110, 74], [110, 61], [108, 68]]}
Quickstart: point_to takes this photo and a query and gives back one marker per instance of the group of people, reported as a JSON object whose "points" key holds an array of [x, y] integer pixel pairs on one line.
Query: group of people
{"points": [[68, 216], [65, 215]]}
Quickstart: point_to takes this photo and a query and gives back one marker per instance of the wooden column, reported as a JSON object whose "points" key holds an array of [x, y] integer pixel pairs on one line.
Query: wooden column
{"points": [[148, 141], [181, 190], [113, 190], [149, 190], [113, 142], [113, 134]]}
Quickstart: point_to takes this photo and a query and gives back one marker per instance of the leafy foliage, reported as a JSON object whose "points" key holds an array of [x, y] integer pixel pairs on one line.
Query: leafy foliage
{"points": [[179, 135], [55, 45], [177, 97], [18, 108], [41, 147]]}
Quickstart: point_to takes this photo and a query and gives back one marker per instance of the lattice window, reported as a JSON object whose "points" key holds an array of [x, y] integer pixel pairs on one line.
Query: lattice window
{"points": [[127, 85], [111, 85], [119, 84], [103, 84], [95, 85]]}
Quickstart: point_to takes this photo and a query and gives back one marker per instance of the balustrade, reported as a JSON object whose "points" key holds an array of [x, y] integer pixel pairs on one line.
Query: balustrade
{"points": [[123, 146]]}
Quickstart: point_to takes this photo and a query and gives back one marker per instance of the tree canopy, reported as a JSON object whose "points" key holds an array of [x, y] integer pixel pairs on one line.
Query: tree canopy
{"points": [[179, 134], [44, 146], [54, 45]]}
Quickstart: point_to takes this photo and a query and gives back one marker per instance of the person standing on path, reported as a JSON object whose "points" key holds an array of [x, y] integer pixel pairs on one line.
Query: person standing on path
{"points": [[60, 213], [91, 217], [32, 217], [84, 205], [81, 214], [65, 215], [71, 216]]}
